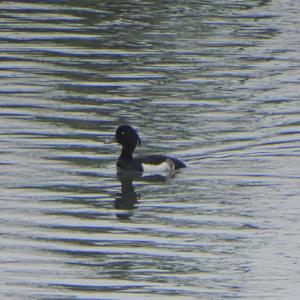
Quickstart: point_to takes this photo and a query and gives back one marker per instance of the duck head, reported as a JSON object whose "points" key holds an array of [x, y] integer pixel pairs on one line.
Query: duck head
{"points": [[126, 136]]}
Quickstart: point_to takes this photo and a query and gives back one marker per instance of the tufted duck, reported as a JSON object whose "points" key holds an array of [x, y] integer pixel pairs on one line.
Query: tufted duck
{"points": [[129, 139]]}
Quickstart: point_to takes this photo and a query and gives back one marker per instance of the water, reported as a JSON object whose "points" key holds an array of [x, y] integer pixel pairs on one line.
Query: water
{"points": [[214, 83]]}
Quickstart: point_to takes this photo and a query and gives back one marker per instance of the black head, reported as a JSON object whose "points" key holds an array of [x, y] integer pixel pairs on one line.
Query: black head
{"points": [[127, 136]]}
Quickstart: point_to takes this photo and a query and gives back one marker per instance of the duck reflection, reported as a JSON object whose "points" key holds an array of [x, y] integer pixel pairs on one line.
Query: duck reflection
{"points": [[126, 200]]}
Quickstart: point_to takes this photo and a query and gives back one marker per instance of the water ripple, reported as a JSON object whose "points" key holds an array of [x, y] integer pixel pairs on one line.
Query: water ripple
{"points": [[214, 83]]}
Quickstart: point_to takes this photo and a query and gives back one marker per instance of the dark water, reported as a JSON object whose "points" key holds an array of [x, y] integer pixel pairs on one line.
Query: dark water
{"points": [[214, 83]]}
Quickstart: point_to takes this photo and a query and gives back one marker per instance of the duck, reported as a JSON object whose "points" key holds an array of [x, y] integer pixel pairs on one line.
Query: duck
{"points": [[129, 139]]}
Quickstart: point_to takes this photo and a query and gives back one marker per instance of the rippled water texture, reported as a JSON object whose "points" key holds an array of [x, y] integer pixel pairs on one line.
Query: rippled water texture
{"points": [[214, 83]]}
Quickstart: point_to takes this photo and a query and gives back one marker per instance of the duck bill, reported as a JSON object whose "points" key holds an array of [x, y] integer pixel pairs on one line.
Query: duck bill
{"points": [[111, 141]]}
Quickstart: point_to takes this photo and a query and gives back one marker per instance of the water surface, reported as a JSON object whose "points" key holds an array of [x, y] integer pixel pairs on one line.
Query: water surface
{"points": [[214, 83]]}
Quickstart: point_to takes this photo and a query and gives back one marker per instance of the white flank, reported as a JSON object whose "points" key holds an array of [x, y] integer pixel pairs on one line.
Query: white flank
{"points": [[166, 166]]}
